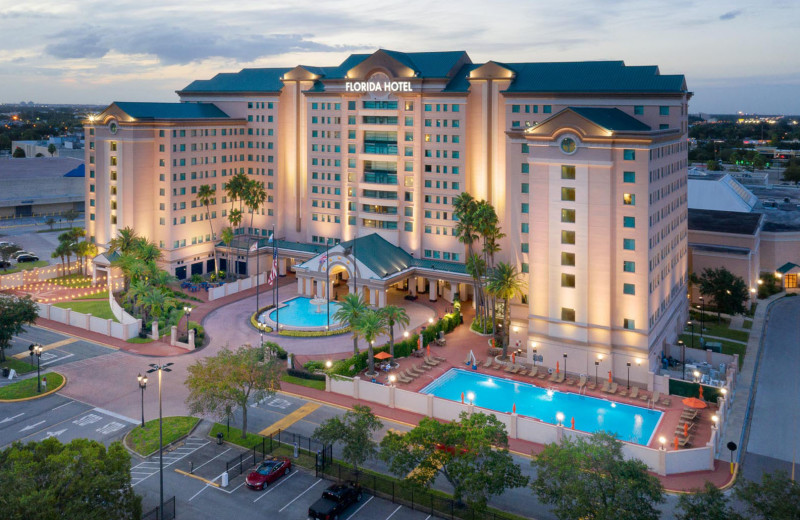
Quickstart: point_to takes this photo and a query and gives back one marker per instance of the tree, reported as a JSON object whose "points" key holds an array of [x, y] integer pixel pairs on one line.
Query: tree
{"points": [[354, 431], [590, 478], [226, 235], [464, 208], [231, 378], [728, 290], [125, 241], [471, 453], [394, 315], [81, 479], [19, 153], [777, 497], [350, 309], [156, 302], [71, 215], [147, 251], [713, 166], [505, 283], [61, 251], [51, 149], [15, 313], [206, 195], [85, 250], [254, 197], [476, 267], [370, 324], [706, 504], [6, 252], [792, 172], [50, 222]]}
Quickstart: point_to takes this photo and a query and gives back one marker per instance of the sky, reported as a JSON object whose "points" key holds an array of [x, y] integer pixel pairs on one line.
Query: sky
{"points": [[736, 55]]}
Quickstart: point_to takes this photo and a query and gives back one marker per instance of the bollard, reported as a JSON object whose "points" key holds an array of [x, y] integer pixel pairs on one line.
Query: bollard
{"points": [[225, 479], [296, 450], [191, 467]]}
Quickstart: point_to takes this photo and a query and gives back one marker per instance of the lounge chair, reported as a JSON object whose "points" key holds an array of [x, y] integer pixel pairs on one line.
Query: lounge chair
{"points": [[554, 376], [430, 361], [439, 358], [542, 373], [498, 366], [623, 392], [488, 362], [679, 429], [571, 381], [415, 371], [687, 441], [403, 379], [512, 369], [666, 401], [409, 374], [582, 382], [534, 372], [606, 386], [634, 392], [560, 378], [656, 396], [644, 396], [422, 366], [689, 413], [613, 389]]}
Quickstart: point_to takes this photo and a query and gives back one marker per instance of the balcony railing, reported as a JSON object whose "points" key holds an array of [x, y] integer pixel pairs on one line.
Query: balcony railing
{"points": [[380, 177]]}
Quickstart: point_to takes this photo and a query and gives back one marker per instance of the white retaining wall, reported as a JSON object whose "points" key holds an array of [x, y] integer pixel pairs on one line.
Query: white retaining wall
{"points": [[108, 327], [39, 274], [411, 401], [229, 288]]}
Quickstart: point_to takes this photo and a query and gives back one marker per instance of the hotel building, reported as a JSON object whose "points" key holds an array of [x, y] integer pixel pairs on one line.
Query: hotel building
{"points": [[585, 163]]}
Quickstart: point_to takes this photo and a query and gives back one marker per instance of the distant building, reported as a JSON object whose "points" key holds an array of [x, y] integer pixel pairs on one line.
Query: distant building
{"points": [[66, 146], [41, 186]]}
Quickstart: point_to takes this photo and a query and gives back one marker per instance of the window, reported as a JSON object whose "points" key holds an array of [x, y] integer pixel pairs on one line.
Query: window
{"points": [[525, 227], [629, 244], [515, 109], [628, 199], [567, 258], [638, 110], [524, 267], [629, 323], [524, 207], [524, 188], [663, 110], [629, 222], [567, 280], [628, 266], [524, 247], [663, 126], [629, 155], [567, 237], [568, 194], [628, 288], [629, 177], [526, 168], [408, 226], [567, 172], [547, 109], [568, 216], [567, 314]]}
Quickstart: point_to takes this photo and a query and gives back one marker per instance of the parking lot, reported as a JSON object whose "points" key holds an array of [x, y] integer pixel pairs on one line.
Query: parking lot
{"points": [[198, 495]]}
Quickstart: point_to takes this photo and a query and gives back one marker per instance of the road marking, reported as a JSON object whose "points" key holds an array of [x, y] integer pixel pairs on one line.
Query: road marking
{"points": [[301, 494], [110, 427], [55, 433], [62, 406], [155, 470], [209, 460], [267, 492], [283, 404], [32, 426], [198, 477], [289, 419], [45, 348], [362, 507], [117, 416], [87, 419], [57, 359], [393, 512], [7, 419], [428, 517]]}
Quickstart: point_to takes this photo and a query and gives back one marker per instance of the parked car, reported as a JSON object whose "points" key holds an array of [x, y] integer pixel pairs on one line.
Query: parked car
{"points": [[334, 501], [3, 264], [16, 255], [27, 258], [3, 244], [268, 472]]}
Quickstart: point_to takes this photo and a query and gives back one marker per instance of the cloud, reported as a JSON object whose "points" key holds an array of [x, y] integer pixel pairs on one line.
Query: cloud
{"points": [[72, 47], [730, 15]]}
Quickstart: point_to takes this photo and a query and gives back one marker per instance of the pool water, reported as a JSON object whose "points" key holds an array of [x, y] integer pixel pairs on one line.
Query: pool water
{"points": [[628, 422], [298, 312]]}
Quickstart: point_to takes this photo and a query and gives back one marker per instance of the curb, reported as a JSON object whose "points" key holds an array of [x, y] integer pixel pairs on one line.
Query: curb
{"points": [[179, 439], [63, 382]]}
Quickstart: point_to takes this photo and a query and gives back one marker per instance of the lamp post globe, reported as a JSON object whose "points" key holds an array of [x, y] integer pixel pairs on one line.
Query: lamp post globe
{"points": [[142, 385]]}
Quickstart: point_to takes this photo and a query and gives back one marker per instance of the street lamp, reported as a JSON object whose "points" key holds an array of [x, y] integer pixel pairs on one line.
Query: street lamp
{"points": [[261, 327], [188, 311], [471, 398], [160, 368], [702, 316], [36, 350], [560, 418], [629, 374], [715, 419], [662, 440], [683, 357], [405, 334], [430, 320], [565, 364], [391, 379], [596, 364], [142, 385], [696, 375]]}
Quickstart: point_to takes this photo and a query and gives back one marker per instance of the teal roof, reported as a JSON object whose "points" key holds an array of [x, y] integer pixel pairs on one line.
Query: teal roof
{"points": [[246, 80], [171, 110], [785, 268], [429, 64], [591, 76], [611, 119], [379, 255]]}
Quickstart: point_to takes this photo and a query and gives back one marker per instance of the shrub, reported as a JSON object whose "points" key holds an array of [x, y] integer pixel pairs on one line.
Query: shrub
{"points": [[255, 315], [303, 374], [282, 354], [313, 333], [311, 366]]}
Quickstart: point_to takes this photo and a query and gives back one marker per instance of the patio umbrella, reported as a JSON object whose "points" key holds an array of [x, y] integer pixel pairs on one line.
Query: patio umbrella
{"points": [[429, 349], [513, 358], [382, 355], [514, 408], [610, 379], [701, 391], [693, 402], [676, 442], [557, 368], [573, 423]]}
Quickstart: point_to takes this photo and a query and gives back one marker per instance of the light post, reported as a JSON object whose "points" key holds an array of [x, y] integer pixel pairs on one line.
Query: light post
{"points": [[159, 369], [662, 440], [629, 374], [715, 420], [261, 327], [702, 316], [565, 364], [560, 418], [188, 311], [596, 365], [696, 375], [142, 385], [471, 398], [37, 351], [392, 379], [683, 357], [534, 358], [328, 364], [690, 323]]}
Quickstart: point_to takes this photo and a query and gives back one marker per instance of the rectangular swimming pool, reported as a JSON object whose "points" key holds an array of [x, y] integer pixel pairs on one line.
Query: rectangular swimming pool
{"points": [[630, 423]]}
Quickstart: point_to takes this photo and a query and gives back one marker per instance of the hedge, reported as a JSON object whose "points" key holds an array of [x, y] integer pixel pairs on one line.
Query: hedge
{"points": [[305, 375], [687, 389], [313, 333], [255, 315]]}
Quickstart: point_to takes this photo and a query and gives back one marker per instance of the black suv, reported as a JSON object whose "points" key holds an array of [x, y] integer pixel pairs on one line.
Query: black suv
{"points": [[335, 499]]}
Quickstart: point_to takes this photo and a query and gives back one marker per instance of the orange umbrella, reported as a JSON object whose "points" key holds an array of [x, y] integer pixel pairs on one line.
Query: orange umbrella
{"points": [[676, 442], [514, 408], [462, 397], [513, 358], [693, 402], [686, 429], [382, 355], [420, 342], [429, 349], [573, 423], [557, 370], [701, 391], [493, 343], [610, 380]]}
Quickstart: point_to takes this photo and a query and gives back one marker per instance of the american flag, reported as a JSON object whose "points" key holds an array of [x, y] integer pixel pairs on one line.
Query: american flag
{"points": [[273, 275]]}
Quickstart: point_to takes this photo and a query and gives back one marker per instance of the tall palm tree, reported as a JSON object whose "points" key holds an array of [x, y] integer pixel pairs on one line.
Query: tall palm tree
{"points": [[476, 267], [370, 325], [61, 251], [464, 211], [506, 283], [350, 310], [126, 240], [132, 268], [394, 315], [487, 224], [254, 197], [227, 238], [161, 278], [207, 195], [87, 250], [137, 290], [236, 188]]}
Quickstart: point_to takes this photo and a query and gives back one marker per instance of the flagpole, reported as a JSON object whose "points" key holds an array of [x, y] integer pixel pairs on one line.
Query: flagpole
{"points": [[258, 272], [328, 280], [277, 279]]}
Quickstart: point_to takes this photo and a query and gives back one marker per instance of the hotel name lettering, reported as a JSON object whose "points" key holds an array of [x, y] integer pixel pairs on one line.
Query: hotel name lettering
{"points": [[377, 86]]}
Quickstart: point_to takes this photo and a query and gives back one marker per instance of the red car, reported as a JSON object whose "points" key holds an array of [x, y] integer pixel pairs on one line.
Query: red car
{"points": [[268, 472]]}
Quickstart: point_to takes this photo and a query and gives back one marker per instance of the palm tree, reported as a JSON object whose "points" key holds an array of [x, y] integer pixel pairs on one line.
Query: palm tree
{"points": [[394, 315], [206, 195], [476, 267], [350, 309], [227, 237], [126, 240], [88, 250], [487, 225], [61, 251], [236, 188], [161, 278], [370, 325], [464, 211], [506, 283], [132, 268], [157, 302], [148, 251], [254, 197], [137, 290]]}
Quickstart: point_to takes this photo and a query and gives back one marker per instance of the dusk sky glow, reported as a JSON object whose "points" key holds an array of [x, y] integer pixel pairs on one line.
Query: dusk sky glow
{"points": [[736, 55]]}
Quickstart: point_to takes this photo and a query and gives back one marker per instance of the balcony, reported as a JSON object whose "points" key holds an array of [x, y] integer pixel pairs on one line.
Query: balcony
{"points": [[382, 148], [378, 210], [380, 177]]}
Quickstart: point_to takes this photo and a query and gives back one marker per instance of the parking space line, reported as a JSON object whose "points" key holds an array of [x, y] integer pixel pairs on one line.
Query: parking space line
{"points": [[165, 465], [209, 460], [289, 419], [362, 507], [198, 477], [298, 496], [295, 472], [428, 517], [45, 348], [393, 512], [62, 406]]}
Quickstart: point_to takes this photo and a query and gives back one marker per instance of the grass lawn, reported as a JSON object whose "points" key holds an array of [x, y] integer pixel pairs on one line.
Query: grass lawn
{"points": [[748, 324], [100, 309], [27, 387], [728, 347], [306, 459], [71, 280], [20, 366], [137, 339], [310, 383], [144, 441], [712, 328], [25, 266], [99, 296]]}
